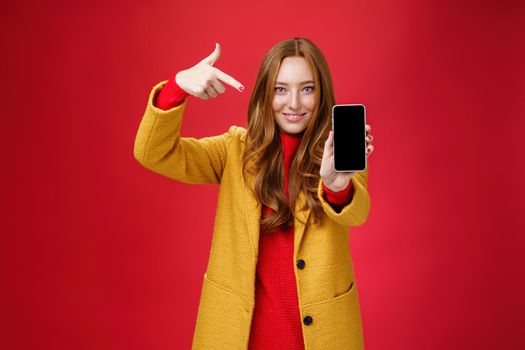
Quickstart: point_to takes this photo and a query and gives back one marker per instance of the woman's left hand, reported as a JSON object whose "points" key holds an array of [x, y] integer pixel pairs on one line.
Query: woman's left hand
{"points": [[338, 181]]}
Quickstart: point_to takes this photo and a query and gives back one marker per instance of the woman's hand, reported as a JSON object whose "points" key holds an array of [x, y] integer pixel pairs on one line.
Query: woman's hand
{"points": [[337, 181], [205, 81]]}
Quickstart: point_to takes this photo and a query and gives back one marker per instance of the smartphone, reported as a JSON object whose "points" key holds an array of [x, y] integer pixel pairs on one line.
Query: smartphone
{"points": [[348, 124]]}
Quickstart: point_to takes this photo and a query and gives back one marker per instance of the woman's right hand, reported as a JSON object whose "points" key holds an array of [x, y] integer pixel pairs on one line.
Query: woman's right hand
{"points": [[205, 81]]}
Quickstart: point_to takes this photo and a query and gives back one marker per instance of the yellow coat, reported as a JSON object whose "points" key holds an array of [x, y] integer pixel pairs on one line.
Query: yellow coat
{"points": [[326, 288]]}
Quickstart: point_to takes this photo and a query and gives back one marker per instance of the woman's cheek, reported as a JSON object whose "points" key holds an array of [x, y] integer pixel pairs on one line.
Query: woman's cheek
{"points": [[310, 102], [276, 104]]}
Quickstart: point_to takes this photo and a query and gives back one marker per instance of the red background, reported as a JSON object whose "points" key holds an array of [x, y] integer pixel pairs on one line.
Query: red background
{"points": [[97, 252]]}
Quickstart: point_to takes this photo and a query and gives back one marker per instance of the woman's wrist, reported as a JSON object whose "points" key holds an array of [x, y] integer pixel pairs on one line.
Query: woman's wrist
{"points": [[171, 95], [336, 188], [338, 199]]}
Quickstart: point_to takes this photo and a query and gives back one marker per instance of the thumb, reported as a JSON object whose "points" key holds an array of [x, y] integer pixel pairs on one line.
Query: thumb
{"points": [[214, 56]]}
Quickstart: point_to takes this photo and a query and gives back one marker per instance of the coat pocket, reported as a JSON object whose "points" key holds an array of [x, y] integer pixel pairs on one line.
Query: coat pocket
{"points": [[336, 323], [223, 320]]}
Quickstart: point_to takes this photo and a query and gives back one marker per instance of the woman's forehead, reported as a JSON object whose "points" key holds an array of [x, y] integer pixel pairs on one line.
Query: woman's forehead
{"points": [[294, 70]]}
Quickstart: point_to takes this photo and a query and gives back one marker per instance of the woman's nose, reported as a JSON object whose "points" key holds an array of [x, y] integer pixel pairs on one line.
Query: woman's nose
{"points": [[295, 101]]}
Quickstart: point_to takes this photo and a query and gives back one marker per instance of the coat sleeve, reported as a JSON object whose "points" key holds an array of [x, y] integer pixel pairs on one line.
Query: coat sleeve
{"points": [[354, 213], [159, 147]]}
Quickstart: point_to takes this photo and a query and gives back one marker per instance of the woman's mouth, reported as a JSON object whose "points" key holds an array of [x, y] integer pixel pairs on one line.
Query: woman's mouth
{"points": [[294, 117]]}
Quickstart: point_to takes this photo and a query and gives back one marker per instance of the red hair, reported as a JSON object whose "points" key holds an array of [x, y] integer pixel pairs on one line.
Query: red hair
{"points": [[263, 156]]}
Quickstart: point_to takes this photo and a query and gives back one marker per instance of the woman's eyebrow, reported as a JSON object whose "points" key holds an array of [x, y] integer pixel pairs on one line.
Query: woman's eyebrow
{"points": [[286, 84]]}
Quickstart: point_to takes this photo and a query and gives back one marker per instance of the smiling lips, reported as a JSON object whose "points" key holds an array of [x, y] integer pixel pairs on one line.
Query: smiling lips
{"points": [[294, 117]]}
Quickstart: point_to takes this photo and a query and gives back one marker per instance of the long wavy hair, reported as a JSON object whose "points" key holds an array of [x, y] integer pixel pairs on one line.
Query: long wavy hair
{"points": [[263, 154]]}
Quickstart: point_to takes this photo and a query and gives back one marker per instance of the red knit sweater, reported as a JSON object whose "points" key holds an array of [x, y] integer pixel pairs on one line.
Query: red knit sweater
{"points": [[276, 322]]}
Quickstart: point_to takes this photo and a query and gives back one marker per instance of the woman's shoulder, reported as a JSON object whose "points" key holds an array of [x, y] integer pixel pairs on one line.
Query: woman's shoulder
{"points": [[237, 133]]}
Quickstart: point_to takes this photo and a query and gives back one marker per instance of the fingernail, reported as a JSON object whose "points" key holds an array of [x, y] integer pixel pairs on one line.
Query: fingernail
{"points": [[241, 88]]}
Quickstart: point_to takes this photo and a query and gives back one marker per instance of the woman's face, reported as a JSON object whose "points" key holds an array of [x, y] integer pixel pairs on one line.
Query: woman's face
{"points": [[294, 99]]}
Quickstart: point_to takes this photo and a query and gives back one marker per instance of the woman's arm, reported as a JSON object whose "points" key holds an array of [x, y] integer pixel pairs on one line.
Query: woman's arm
{"points": [[356, 211], [159, 147]]}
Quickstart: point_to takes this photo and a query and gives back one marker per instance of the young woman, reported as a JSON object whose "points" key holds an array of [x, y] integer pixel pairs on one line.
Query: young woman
{"points": [[280, 273]]}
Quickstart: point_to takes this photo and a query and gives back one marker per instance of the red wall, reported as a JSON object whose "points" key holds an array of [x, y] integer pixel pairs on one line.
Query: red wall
{"points": [[97, 252]]}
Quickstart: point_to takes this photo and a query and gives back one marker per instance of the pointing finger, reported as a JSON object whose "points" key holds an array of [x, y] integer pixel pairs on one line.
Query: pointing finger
{"points": [[225, 78], [214, 56]]}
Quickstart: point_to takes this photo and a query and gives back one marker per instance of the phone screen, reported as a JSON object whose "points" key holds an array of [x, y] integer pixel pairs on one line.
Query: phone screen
{"points": [[348, 124]]}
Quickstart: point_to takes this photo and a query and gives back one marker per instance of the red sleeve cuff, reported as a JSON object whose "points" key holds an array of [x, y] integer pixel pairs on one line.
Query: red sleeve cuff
{"points": [[341, 198], [170, 96]]}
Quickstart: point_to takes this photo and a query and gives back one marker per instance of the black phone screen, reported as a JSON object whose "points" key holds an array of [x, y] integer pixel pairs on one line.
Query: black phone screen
{"points": [[348, 124]]}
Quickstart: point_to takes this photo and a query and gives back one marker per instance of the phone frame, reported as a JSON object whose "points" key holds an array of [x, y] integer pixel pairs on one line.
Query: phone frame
{"points": [[364, 130]]}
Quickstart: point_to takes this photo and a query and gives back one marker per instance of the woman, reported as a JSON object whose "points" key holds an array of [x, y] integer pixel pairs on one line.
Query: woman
{"points": [[280, 273]]}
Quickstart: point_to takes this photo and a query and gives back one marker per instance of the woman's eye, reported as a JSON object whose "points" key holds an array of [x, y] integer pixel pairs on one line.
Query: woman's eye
{"points": [[309, 88], [279, 89]]}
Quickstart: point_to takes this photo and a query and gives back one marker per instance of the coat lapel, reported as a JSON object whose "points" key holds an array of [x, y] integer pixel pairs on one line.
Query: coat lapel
{"points": [[299, 227], [253, 208], [253, 214]]}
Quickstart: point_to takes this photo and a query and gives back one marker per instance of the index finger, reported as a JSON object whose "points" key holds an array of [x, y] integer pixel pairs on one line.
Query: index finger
{"points": [[225, 78]]}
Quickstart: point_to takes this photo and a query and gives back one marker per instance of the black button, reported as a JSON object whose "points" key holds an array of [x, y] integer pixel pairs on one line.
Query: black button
{"points": [[300, 264], [308, 320]]}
